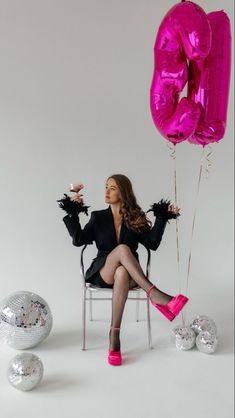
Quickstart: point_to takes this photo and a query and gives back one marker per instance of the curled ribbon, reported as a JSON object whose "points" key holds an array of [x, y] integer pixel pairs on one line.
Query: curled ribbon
{"points": [[208, 161]]}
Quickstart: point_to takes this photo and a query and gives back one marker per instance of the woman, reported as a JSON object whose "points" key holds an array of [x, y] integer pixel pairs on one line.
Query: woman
{"points": [[117, 232]]}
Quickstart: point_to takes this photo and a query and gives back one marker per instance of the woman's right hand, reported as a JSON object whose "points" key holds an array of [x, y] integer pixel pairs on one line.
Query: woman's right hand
{"points": [[76, 189]]}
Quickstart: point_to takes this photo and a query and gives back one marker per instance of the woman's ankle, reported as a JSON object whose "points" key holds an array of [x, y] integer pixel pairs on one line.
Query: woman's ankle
{"points": [[114, 340]]}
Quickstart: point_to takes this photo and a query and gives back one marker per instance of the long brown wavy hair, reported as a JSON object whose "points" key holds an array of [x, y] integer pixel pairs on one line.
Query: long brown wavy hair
{"points": [[133, 216]]}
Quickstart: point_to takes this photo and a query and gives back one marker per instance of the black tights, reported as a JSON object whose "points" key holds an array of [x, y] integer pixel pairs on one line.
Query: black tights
{"points": [[123, 271]]}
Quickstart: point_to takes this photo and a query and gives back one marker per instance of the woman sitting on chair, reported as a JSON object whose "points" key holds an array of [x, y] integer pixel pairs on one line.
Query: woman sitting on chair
{"points": [[117, 231]]}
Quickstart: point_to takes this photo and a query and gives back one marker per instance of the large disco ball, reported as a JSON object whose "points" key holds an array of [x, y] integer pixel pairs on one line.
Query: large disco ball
{"points": [[184, 337], [207, 342], [25, 320], [203, 323], [25, 371]]}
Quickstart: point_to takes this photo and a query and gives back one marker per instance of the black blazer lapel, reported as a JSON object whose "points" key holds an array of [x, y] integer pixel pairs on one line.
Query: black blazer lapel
{"points": [[122, 230], [111, 223]]}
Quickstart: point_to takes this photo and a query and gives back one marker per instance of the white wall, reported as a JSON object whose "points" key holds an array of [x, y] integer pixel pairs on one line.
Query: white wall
{"points": [[74, 106]]}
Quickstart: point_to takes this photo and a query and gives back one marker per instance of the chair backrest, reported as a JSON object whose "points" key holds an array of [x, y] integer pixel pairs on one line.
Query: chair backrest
{"points": [[82, 268]]}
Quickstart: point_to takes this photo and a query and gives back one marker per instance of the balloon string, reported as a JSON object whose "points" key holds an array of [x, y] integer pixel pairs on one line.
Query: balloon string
{"points": [[192, 231], [177, 229], [173, 156]]}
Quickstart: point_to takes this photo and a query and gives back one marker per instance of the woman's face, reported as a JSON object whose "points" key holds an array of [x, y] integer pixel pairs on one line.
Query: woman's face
{"points": [[112, 192]]}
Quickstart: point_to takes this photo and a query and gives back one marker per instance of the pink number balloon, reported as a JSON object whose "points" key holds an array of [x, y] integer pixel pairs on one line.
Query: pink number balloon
{"points": [[184, 33], [209, 82]]}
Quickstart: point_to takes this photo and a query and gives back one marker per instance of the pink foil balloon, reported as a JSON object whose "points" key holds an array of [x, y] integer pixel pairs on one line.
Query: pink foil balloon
{"points": [[184, 33], [209, 82]]}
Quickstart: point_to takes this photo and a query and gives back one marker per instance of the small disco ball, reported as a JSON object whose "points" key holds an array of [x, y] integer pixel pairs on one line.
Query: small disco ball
{"points": [[25, 320], [25, 371], [203, 323], [184, 337], [207, 342]]}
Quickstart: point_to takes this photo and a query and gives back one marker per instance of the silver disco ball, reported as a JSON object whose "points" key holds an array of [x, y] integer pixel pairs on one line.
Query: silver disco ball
{"points": [[183, 337], [207, 342], [25, 320], [25, 371], [203, 323]]}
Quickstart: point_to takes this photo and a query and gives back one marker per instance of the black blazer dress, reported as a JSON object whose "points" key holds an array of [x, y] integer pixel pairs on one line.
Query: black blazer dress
{"points": [[101, 230]]}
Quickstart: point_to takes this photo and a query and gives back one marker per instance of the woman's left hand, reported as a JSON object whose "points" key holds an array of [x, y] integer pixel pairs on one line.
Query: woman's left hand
{"points": [[174, 209]]}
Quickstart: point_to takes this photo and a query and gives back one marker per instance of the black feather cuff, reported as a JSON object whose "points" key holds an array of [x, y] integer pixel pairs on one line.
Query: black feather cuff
{"points": [[160, 209], [71, 207]]}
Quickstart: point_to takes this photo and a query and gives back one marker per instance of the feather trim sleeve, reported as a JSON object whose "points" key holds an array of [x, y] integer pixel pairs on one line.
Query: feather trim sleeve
{"points": [[71, 207], [160, 210], [151, 239]]}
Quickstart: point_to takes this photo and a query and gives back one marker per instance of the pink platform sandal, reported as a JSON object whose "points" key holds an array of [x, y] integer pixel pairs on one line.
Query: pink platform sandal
{"points": [[115, 357], [172, 308]]}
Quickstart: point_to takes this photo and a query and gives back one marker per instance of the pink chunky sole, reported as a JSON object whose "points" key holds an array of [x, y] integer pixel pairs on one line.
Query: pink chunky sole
{"points": [[172, 308], [115, 358], [166, 312]]}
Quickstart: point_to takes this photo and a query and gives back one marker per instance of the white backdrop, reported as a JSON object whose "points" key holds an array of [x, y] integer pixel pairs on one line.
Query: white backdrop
{"points": [[75, 79]]}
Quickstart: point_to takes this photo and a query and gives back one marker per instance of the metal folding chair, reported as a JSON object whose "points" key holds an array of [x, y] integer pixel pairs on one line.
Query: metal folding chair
{"points": [[90, 293]]}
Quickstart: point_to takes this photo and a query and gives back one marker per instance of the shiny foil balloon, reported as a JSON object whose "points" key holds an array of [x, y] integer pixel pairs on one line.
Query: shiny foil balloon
{"points": [[184, 337], [209, 82], [203, 323], [184, 33], [25, 320], [207, 342], [25, 371]]}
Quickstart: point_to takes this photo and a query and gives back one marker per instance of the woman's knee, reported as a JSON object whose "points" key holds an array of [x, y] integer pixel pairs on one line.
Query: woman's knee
{"points": [[121, 273], [123, 249]]}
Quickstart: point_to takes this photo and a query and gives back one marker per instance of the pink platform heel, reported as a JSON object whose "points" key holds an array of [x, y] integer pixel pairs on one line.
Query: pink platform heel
{"points": [[172, 308], [115, 357]]}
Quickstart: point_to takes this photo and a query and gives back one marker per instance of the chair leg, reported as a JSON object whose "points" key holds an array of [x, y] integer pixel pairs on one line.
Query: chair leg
{"points": [[137, 309], [90, 306], [84, 321], [149, 326]]}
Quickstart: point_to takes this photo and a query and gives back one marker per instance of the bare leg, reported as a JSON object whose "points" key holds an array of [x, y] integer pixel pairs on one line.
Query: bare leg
{"points": [[122, 255], [122, 284]]}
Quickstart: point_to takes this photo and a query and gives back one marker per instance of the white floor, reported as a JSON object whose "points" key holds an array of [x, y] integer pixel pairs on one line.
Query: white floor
{"points": [[163, 382]]}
